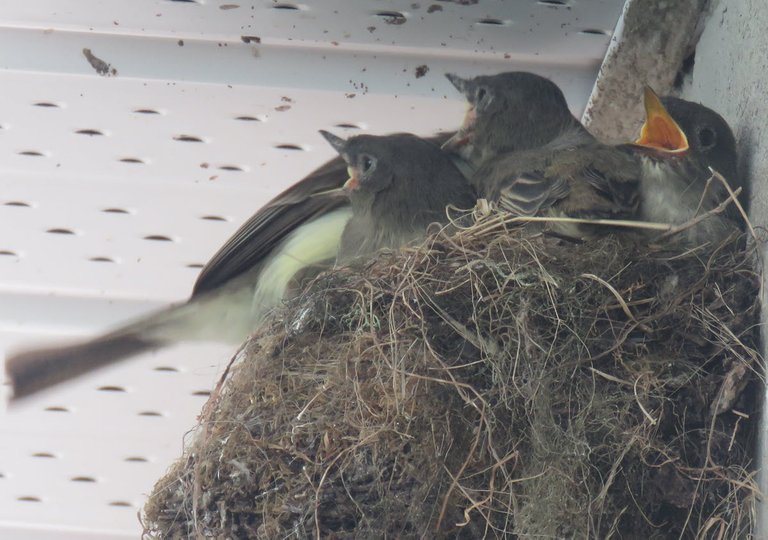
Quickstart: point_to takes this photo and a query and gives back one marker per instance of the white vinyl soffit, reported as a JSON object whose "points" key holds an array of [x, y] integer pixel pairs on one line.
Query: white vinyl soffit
{"points": [[136, 136]]}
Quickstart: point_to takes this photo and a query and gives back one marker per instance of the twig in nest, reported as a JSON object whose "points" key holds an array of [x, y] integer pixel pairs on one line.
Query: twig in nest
{"points": [[650, 418], [622, 302], [327, 470], [600, 498], [477, 505], [609, 377], [303, 411], [652, 225], [701, 217], [733, 195], [486, 221], [464, 390], [482, 344], [739, 417]]}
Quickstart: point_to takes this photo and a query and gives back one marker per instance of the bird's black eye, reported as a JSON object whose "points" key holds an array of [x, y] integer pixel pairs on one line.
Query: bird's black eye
{"points": [[366, 163], [483, 98], [707, 138]]}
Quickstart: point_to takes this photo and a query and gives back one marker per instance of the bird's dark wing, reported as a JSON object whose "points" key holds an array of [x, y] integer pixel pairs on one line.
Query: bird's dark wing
{"points": [[588, 181], [531, 193], [258, 236], [521, 183], [621, 190], [614, 175], [275, 221]]}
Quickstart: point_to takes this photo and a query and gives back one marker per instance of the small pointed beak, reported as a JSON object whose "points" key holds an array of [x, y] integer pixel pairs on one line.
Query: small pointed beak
{"points": [[338, 143], [464, 135], [353, 183], [660, 131]]}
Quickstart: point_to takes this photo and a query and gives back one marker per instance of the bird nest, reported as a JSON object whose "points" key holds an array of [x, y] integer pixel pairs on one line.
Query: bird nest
{"points": [[489, 383]]}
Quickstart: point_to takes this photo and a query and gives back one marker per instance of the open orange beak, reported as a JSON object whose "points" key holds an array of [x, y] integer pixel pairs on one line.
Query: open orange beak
{"points": [[353, 183], [660, 132]]}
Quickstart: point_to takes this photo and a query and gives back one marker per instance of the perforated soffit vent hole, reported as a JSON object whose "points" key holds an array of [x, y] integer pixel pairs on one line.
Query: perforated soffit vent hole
{"points": [[492, 22]]}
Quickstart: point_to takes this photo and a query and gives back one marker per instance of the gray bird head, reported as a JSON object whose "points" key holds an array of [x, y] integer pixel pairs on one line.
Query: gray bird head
{"points": [[401, 171], [509, 112], [398, 185], [709, 136], [362, 154], [677, 147], [676, 127]]}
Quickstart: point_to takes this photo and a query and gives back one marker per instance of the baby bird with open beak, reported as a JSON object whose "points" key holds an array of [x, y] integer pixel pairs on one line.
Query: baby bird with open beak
{"points": [[679, 141]]}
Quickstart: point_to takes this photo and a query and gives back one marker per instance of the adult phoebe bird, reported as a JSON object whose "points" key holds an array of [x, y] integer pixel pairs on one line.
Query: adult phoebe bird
{"points": [[398, 185], [678, 143], [534, 158], [247, 277], [251, 274]]}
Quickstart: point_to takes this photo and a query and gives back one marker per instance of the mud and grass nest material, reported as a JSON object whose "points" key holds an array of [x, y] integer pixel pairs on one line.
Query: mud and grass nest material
{"points": [[491, 383]]}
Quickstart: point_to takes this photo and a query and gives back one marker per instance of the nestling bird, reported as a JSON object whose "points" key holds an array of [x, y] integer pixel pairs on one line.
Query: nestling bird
{"points": [[678, 143], [534, 158], [510, 112], [398, 185]]}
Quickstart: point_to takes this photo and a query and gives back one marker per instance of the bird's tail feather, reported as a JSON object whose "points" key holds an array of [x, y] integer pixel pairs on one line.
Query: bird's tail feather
{"points": [[32, 371]]}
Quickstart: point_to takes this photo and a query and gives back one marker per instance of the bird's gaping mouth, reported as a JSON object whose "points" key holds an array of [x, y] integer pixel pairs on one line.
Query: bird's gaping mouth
{"points": [[660, 132]]}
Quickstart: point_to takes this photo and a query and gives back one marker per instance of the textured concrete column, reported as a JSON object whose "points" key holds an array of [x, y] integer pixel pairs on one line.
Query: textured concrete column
{"points": [[731, 75], [649, 47]]}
